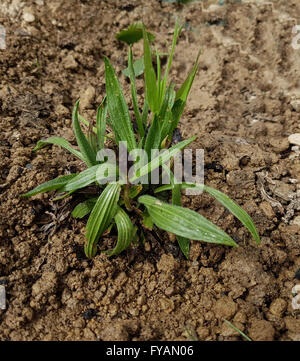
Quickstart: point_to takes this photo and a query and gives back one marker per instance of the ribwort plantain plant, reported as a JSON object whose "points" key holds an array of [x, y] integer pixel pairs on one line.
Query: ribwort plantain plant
{"points": [[126, 203]]}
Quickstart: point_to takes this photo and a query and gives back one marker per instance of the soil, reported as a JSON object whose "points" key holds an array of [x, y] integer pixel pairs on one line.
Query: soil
{"points": [[244, 105]]}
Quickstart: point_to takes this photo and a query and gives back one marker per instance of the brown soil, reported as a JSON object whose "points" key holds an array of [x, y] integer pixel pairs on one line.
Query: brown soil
{"points": [[244, 104]]}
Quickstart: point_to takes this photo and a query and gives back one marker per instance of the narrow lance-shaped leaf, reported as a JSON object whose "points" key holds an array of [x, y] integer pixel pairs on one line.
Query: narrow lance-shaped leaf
{"points": [[117, 108], [184, 90], [62, 143], [153, 137], [181, 96], [84, 146], [184, 243], [161, 159], [177, 32], [87, 177], [51, 185], [92, 139], [101, 123], [150, 77], [137, 114], [233, 207], [165, 113], [126, 232], [236, 210], [184, 222], [158, 76], [145, 112], [101, 217], [168, 102]]}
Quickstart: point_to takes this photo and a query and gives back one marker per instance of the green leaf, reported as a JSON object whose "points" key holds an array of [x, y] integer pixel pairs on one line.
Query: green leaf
{"points": [[137, 114], [161, 159], [117, 108], [52, 185], [133, 34], [233, 207], [84, 146], [87, 177], [181, 97], [147, 220], [184, 222], [177, 32], [236, 210], [145, 112], [168, 103], [153, 138], [158, 76], [101, 217], [152, 91], [165, 114], [177, 111], [126, 232], [92, 139], [184, 243], [184, 90], [138, 68], [84, 208], [61, 142], [101, 123]]}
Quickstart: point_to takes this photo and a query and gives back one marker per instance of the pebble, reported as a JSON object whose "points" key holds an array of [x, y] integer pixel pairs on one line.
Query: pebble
{"points": [[166, 304], [296, 221], [261, 330], [225, 308], [267, 209], [87, 98], [62, 111], [278, 307], [69, 62], [28, 17], [2, 298], [294, 139], [279, 145], [169, 291], [296, 105], [89, 334], [202, 332], [29, 166]]}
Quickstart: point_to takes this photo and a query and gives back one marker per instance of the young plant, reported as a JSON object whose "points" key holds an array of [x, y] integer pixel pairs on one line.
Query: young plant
{"points": [[127, 204]]}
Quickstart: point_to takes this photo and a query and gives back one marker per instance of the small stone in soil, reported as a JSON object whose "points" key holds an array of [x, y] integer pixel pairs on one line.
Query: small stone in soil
{"points": [[89, 314], [28, 17], [2, 298], [294, 139], [296, 105]]}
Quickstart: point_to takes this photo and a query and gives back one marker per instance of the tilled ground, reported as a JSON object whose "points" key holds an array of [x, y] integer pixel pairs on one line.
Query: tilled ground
{"points": [[244, 105]]}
